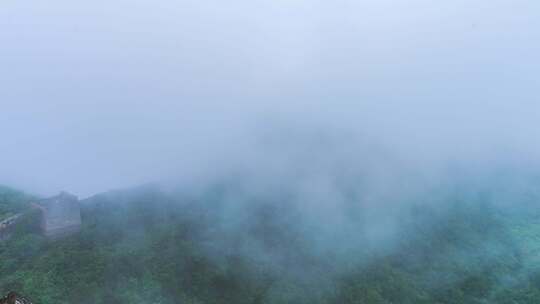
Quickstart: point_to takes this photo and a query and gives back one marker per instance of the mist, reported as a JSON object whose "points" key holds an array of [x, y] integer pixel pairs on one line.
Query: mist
{"points": [[102, 95], [272, 151]]}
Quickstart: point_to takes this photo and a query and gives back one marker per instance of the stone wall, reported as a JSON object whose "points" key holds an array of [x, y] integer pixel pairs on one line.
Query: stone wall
{"points": [[6, 226], [14, 298], [61, 215]]}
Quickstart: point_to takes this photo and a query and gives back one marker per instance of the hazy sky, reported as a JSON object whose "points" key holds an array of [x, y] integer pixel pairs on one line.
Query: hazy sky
{"points": [[102, 94]]}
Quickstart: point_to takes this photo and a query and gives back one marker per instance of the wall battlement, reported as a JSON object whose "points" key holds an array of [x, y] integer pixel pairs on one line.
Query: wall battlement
{"points": [[60, 215]]}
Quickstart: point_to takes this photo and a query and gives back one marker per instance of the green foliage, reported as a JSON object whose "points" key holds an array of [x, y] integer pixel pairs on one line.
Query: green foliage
{"points": [[12, 202], [145, 248]]}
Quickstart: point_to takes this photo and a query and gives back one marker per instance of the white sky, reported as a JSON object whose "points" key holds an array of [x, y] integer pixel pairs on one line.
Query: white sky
{"points": [[103, 94]]}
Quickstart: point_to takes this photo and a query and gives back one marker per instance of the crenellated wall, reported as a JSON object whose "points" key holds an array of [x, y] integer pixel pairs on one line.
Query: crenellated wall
{"points": [[61, 215]]}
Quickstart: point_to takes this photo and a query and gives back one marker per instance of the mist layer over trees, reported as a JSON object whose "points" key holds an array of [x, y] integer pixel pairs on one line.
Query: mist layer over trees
{"points": [[273, 151], [329, 234]]}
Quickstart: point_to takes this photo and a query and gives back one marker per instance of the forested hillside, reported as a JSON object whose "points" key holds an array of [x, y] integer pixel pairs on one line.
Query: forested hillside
{"points": [[145, 246], [12, 202]]}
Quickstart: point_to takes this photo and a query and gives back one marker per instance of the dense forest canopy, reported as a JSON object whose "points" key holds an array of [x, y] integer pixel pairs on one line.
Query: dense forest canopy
{"points": [[225, 245]]}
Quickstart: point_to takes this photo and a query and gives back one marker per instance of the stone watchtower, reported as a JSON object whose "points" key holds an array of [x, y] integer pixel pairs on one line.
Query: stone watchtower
{"points": [[60, 215]]}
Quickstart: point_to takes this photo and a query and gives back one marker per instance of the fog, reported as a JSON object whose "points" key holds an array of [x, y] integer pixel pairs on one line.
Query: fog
{"points": [[103, 95]]}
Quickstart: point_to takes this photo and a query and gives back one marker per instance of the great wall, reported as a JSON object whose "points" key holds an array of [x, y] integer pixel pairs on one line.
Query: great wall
{"points": [[59, 216]]}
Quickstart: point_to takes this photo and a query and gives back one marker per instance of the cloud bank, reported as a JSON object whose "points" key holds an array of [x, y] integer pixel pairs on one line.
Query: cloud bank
{"points": [[102, 95]]}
